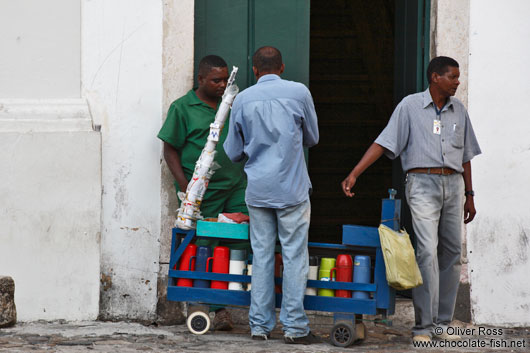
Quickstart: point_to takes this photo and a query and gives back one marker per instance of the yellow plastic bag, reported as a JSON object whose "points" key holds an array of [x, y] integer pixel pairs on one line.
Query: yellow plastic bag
{"points": [[402, 271]]}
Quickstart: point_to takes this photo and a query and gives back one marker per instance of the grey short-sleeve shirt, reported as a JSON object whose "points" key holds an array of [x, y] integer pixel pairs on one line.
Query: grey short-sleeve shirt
{"points": [[425, 139]]}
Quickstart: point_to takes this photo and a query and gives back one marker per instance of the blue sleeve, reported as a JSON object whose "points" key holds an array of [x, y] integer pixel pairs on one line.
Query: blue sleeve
{"points": [[234, 142], [309, 122], [395, 136], [471, 146]]}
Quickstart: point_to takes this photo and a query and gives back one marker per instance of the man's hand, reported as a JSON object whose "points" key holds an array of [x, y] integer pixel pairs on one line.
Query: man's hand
{"points": [[173, 162], [371, 155], [469, 209], [348, 183]]}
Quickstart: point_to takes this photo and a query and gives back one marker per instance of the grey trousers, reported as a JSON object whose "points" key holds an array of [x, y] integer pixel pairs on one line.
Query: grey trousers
{"points": [[436, 204]]}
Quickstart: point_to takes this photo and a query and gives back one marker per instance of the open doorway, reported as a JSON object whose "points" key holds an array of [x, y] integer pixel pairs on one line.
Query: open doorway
{"points": [[363, 58], [352, 82]]}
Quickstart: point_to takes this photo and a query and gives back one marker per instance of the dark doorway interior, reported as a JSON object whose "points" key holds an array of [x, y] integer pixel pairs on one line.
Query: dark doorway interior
{"points": [[352, 82]]}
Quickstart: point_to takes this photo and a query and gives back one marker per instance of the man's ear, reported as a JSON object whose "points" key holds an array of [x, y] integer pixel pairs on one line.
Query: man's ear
{"points": [[256, 72], [282, 68], [434, 77]]}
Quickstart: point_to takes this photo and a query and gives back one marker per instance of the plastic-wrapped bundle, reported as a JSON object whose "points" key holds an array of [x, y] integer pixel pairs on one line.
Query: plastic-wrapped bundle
{"points": [[189, 211]]}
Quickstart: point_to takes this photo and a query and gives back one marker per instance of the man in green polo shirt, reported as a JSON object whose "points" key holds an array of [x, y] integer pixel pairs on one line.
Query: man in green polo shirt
{"points": [[185, 132]]}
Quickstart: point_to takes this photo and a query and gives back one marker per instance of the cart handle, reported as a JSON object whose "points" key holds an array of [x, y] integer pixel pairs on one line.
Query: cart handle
{"points": [[208, 264], [189, 265], [331, 273]]}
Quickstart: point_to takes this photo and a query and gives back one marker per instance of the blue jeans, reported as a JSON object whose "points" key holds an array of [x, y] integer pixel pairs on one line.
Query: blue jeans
{"points": [[437, 207], [291, 225]]}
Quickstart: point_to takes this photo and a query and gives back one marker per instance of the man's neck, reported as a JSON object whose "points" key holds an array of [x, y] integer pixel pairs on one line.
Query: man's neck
{"points": [[261, 74], [211, 101], [439, 99]]}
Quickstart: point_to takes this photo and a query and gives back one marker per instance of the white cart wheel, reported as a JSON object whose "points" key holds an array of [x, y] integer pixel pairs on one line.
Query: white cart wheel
{"points": [[198, 322]]}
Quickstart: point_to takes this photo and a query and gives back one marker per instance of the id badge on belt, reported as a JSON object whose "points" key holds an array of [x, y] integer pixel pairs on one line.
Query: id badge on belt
{"points": [[437, 127]]}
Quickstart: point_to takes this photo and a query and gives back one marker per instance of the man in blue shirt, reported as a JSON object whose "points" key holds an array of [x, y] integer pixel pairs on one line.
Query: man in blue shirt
{"points": [[271, 123]]}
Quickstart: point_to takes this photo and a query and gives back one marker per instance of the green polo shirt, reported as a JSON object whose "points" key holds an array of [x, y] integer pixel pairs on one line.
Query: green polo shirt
{"points": [[186, 128]]}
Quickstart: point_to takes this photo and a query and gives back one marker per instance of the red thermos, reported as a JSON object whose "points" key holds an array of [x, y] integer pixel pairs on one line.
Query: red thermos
{"points": [[191, 250], [220, 264], [343, 273], [278, 267]]}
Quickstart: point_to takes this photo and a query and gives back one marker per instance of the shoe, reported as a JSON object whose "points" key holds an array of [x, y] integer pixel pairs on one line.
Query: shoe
{"points": [[447, 337], [309, 339], [261, 337], [222, 320], [421, 338]]}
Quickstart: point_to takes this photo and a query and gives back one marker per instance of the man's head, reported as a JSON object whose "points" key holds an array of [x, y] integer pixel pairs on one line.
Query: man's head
{"points": [[213, 76], [267, 60], [442, 74]]}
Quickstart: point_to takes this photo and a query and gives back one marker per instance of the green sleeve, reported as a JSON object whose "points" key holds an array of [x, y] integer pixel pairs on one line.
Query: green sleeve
{"points": [[174, 129]]}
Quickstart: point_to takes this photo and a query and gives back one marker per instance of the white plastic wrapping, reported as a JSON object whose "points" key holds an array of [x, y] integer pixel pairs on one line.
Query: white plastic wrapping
{"points": [[189, 211]]}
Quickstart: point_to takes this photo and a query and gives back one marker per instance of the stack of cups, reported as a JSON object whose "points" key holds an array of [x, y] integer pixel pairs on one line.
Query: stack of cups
{"points": [[324, 274]]}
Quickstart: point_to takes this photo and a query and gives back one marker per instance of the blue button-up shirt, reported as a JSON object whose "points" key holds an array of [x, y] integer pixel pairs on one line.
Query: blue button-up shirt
{"points": [[270, 124], [410, 133]]}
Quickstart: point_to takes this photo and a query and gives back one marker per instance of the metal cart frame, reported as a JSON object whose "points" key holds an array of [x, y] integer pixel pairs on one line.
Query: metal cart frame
{"points": [[355, 240]]}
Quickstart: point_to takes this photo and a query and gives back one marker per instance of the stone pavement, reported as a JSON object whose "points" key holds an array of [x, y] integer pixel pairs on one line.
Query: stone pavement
{"points": [[126, 337]]}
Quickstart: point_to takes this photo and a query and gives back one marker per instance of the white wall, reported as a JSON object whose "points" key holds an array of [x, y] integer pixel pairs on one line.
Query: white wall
{"points": [[177, 81], [499, 238], [49, 222], [50, 160], [450, 36], [40, 52], [122, 80]]}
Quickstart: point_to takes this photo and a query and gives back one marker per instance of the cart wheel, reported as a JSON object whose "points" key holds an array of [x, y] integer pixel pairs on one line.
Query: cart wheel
{"points": [[198, 322], [343, 334]]}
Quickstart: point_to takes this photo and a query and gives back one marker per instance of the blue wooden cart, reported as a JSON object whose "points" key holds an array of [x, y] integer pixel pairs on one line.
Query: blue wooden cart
{"points": [[355, 240]]}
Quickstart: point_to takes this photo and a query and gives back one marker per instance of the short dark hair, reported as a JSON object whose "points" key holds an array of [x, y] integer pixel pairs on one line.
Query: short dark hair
{"points": [[209, 62], [440, 65], [267, 59]]}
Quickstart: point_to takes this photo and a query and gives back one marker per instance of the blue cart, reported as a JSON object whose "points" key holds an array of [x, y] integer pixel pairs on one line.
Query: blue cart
{"points": [[346, 330]]}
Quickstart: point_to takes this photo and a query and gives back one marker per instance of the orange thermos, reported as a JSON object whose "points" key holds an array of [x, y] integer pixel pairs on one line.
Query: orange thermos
{"points": [[343, 273], [185, 265], [221, 262]]}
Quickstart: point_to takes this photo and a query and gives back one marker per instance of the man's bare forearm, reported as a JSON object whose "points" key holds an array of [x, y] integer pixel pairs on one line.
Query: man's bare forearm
{"points": [[175, 166], [372, 154], [467, 176]]}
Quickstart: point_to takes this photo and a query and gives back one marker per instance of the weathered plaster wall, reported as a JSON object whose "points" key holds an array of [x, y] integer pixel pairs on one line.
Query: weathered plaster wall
{"points": [[177, 80], [450, 37], [50, 222], [50, 160], [40, 48], [122, 80], [499, 238]]}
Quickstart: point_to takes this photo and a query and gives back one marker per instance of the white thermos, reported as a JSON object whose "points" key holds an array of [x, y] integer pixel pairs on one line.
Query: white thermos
{"points": [[313, 274], [237, 267], [249, 271]]}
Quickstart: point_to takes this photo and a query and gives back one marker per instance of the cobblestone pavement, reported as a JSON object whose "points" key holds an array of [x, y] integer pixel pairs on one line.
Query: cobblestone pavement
{"points": [[134, 337]]}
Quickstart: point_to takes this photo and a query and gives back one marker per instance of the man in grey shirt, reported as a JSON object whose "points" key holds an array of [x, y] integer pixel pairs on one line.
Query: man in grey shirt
{"points": [[432, 133], [270, 124]]}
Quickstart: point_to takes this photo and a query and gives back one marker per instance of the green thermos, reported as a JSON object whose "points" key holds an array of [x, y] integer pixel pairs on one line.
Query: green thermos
{"points": [[324, 274]]}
